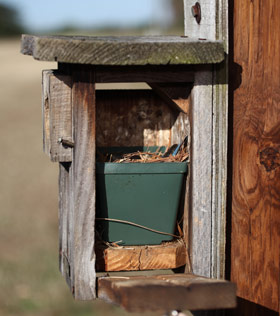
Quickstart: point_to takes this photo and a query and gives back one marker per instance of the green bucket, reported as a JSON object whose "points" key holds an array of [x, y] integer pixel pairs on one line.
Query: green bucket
{"points": [[146, 194]]}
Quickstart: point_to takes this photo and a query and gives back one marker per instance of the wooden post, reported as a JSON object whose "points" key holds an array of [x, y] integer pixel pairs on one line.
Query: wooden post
{"points": [[209, 145], [255, 266], [83, 186]]}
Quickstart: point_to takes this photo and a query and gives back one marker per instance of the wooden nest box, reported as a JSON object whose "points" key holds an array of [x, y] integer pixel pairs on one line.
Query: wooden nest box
{"points": [[78, 117]]}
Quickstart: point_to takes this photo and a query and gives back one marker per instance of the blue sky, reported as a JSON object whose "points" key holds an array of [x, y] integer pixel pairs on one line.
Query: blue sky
{"points": [[44, 15]]}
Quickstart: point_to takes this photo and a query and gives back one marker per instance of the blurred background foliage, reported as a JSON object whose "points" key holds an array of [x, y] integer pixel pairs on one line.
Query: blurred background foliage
{"points": [[10, 24]]}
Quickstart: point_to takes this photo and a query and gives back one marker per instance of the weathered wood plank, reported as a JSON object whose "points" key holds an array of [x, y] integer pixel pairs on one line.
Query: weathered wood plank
{"points": [[209, 153], [133, 118], [201, 174], [255, 266], [133, 258], [57, 115], [165, 293], [64, 217], [46, 110], [82, 173], [122, 51]]}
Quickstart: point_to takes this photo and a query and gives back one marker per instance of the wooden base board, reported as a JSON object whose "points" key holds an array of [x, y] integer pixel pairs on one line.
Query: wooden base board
{"points": [[167, 292], [134, 258]]}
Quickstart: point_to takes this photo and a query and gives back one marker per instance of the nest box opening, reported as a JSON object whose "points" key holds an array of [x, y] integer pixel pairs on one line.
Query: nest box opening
{"points": [[140, 204]]}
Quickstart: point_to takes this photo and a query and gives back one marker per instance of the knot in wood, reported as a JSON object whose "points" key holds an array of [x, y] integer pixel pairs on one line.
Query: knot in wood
{"points": [[270, 158]]}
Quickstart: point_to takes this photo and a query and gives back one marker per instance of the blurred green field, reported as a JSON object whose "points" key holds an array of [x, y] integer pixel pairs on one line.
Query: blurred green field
{"points": [[30, 283]]}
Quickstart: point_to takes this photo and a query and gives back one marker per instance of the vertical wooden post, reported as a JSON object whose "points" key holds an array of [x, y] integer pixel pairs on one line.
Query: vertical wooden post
{"points": [[82, 182], [255, 266], [209, 145]]}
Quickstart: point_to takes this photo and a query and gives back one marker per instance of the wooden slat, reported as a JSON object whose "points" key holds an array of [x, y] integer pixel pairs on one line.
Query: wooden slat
{"points": [[255, 266], [82, 175], [201, 174], [126, 50], [57, 115], [64, 218], [175, 94], [209, 145], [165, 293], [133, 258], [46, 74]]}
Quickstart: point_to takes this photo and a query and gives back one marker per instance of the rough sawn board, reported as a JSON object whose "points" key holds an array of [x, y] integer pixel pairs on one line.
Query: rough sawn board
{"points": [[124, 50]]}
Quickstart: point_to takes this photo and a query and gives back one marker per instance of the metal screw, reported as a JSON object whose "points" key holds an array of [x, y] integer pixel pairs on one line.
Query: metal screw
{"points": [[196, 12]]}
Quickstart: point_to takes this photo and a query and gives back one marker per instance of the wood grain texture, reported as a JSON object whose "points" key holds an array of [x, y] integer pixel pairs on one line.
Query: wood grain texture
{"points": [[220, 145], [133, 118], [201, 174], [209, 153], [57, 115], [165, 293], [207, 26], [64, 220], [255, 255], [82, 173], [126, 50], [46, 110], [134, 258]]}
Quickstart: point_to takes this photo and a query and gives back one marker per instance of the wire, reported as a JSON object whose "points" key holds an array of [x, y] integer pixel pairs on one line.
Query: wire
{"points": [[137, 225]]}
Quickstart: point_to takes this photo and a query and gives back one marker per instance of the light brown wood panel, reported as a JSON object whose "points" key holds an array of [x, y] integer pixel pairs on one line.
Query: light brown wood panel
{"points": [[255, 253], [134, 118], [133, 258]]}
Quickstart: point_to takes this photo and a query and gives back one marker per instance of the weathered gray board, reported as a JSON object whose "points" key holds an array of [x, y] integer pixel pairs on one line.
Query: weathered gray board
{"points": [[123, 51], [209, 145], [77, 191], [57, 115]]}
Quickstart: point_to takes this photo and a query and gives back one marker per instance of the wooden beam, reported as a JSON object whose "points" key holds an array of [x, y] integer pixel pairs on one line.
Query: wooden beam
{"points": [[123, 51], [132, 258], [201, 175], [209, 117], [255, 266], [64, 220], [165, 293], [57, 115], [82, 182]]}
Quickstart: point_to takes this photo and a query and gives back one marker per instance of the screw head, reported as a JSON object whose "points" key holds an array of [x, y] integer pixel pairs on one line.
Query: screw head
{"points": [[196, 12]]}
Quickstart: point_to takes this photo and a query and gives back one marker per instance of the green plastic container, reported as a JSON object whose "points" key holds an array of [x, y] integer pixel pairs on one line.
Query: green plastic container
{"points": [[147, 194]]}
